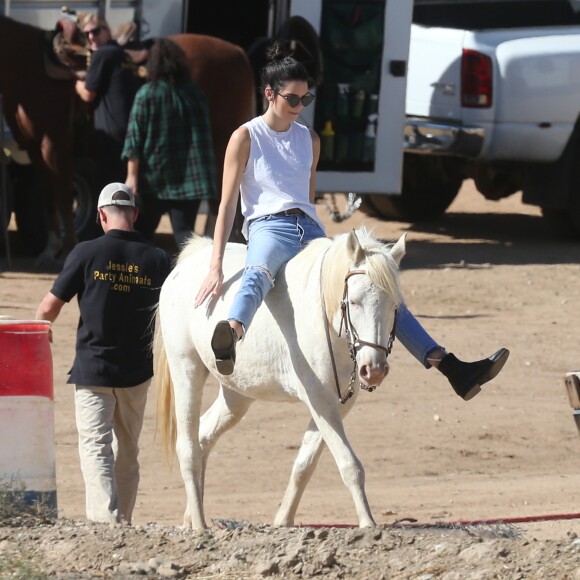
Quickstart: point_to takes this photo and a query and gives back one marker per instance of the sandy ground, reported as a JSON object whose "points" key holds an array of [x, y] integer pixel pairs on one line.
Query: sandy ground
{"points": [[485, 276]]}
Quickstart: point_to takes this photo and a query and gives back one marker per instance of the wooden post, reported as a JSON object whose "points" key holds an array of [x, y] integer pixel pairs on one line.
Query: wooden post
{"points": [[572, 381]]}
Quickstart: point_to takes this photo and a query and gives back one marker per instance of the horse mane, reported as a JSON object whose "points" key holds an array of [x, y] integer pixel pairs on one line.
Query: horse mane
{"points": [[381, 268]]}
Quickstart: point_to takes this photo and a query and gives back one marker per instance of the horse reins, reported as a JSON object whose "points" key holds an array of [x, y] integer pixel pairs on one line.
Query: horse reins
{"points": [[352, 338]]}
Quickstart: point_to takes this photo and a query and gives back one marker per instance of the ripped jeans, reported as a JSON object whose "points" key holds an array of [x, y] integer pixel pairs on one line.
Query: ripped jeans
{"points": [[273, 241]]}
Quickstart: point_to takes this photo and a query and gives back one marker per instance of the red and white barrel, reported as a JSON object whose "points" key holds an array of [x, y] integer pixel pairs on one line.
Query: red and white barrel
{"points": [[27, 448]]}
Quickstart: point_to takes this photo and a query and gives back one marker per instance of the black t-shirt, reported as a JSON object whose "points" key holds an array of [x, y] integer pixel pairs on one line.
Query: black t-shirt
{"points": [[117, 279], [113, 77]]}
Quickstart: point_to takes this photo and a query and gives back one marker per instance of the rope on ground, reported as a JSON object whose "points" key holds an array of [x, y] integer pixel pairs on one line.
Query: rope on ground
{"points": [[498, 527]]}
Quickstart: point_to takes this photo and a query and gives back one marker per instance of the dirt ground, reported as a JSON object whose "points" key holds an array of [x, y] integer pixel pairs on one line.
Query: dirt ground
{"points": [[486, 275]]}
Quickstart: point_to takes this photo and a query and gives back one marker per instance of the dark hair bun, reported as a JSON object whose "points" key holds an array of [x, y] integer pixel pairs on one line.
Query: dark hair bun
{"points": [[276, 52], [281, 67]]}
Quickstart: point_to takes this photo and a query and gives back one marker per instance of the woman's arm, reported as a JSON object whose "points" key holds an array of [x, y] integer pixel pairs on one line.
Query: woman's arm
{"points": [[236, 159], [83, 92], [139, 121], [132, 181]]}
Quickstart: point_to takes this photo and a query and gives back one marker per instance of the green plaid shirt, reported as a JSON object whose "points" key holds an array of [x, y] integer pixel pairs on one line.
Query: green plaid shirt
{"points": [[169, 133]]}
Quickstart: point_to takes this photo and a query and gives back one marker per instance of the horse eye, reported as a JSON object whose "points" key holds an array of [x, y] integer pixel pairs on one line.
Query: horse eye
{"points": [[353, 303]]}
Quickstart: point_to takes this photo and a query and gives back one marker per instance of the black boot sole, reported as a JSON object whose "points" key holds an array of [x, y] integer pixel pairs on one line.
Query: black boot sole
{"points": [[223, 345]]}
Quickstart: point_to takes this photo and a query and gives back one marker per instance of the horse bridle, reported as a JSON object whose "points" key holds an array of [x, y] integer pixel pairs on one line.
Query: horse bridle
{"points": [[353, 340]]}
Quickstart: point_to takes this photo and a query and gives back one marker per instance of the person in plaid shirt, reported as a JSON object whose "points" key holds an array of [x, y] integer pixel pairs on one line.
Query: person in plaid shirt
{"points": [[168, 145]]}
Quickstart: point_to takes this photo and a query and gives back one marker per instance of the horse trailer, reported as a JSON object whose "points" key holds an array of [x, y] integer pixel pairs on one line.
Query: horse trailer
{"points": [[356, 52]]}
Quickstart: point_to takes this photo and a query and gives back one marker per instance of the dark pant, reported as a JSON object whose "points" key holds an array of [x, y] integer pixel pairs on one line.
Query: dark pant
{"points": [[109, 167], [182, 214]]}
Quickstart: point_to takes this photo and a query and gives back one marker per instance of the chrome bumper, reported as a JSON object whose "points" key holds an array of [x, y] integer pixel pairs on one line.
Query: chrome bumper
{"points": [[423, 136]]}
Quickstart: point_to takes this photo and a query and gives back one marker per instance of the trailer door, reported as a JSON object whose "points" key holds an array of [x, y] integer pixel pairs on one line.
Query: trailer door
{"points": [[359, 110]]}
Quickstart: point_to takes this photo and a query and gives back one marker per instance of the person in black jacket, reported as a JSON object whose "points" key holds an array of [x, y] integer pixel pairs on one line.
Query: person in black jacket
{"points": [[111, 83], [116, 279]]}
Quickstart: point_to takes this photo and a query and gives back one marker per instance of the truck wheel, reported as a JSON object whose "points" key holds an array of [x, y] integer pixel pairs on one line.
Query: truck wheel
{"points": [[430, 184]]}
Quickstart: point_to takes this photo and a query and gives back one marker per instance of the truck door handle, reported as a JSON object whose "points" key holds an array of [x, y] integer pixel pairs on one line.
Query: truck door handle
{"points": [[398, 68]]}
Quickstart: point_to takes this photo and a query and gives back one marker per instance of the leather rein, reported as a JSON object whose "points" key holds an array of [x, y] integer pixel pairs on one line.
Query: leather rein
{"points": [[353, 340]]}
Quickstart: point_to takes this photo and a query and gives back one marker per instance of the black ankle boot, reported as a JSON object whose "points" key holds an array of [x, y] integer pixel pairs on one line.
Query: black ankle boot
{"points": [[223, 344], [467, 378]]}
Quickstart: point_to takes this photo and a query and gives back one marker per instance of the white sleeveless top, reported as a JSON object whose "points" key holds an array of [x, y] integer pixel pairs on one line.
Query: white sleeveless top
{"points": [[277, 175]]}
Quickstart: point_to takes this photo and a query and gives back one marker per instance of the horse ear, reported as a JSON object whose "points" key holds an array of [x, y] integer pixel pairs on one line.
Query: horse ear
{"points": [[354, 249], [398, 249]]}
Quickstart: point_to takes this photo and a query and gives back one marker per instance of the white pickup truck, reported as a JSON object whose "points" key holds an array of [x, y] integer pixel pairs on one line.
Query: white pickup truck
{"points": [[493, 94]]}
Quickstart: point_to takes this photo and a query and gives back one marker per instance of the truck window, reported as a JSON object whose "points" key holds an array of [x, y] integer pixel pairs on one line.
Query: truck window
{"points": [[481, 15]]}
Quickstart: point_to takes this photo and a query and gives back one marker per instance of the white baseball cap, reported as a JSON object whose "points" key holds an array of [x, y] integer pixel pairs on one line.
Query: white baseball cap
{"points": [[116, 194]]}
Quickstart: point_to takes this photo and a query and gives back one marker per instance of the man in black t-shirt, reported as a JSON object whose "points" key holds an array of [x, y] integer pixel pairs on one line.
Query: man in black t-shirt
{"points": [[111, 82], [117, 279]]}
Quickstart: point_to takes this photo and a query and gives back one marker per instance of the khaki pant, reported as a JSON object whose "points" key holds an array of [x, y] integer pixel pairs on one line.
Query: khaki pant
{"points": [[109, 423]]}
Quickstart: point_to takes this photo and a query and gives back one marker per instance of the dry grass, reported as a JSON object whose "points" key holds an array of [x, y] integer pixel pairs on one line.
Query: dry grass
{"points": [[16, 509]]}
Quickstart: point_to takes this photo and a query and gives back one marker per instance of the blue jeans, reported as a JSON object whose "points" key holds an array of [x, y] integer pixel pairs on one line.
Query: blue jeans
{"points": [[273, 241], [413, 336]]}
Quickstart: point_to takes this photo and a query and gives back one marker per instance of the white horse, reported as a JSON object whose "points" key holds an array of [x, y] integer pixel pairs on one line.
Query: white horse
{"points": [[294, 351]]}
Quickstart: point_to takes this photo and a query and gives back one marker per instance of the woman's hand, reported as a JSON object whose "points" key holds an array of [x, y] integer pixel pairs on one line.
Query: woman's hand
{"points": [[211, 286]]}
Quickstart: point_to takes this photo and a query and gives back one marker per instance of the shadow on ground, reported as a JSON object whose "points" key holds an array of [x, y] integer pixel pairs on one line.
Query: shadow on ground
{"points": [[469, 239], [492, 238]]}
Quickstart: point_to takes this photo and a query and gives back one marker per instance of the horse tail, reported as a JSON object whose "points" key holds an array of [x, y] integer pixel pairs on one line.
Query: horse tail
{"points": [[165, 421], [193, 244]]}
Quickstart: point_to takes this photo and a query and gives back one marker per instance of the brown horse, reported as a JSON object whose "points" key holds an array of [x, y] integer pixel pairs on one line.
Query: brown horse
{"points": [[224, 72], [40, 111]]}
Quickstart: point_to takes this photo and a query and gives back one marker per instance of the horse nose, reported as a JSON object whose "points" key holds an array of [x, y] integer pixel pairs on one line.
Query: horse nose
{"points": [[373, 374]]}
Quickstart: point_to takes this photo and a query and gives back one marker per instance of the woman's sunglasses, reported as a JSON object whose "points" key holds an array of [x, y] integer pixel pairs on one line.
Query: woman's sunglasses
{"points": [[94, 31], [295, 100]]}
